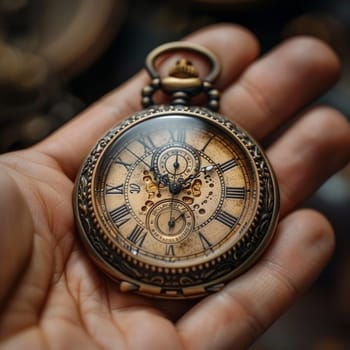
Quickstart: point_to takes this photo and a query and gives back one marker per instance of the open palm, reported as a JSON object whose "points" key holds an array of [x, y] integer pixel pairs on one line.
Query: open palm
{"points": [[51, 297]]}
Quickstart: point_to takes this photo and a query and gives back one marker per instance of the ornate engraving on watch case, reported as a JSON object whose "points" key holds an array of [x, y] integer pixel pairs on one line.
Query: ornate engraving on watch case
{"points": [[176, 201]]}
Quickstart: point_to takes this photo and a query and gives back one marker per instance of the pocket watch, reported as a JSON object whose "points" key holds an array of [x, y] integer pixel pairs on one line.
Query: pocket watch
{"points": [[176, 201]]}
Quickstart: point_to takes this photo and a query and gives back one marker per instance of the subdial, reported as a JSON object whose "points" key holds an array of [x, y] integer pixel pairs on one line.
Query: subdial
{"points": [[175, 163], [170, 221]]}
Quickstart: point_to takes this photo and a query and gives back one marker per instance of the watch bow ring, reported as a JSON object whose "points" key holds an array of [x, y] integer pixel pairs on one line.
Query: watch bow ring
{"points": [[176, 201]]}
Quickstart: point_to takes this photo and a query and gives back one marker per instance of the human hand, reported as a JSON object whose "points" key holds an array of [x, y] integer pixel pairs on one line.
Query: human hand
{"points": [[52, 297]]}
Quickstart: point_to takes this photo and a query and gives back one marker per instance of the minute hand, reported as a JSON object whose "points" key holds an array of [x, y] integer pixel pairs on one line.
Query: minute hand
{"points": [[138, 158], [203, 170], [175, 187]]}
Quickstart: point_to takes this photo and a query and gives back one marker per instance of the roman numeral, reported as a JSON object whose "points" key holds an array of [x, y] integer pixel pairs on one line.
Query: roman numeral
{"points": [[226, 219], [169, 250], [230, 164], [147, 142], [235, 192], [120, 215], [178, 136], [119, 189], [121, 162], [137, 236], [204, 240]]}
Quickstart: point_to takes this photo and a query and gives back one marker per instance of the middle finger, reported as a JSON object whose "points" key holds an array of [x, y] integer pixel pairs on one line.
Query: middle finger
{"points": [[278, 85]]}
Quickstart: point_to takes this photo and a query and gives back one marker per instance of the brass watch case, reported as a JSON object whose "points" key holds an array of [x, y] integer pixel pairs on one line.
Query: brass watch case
{"points": [[166, 279]]}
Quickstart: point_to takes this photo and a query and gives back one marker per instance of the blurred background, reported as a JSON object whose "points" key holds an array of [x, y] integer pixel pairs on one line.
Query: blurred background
{"points": [[57, 57]]}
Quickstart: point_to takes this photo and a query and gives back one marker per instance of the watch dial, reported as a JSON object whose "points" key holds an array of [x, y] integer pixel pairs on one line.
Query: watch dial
{"points": [[175, 190], [175, 202]]}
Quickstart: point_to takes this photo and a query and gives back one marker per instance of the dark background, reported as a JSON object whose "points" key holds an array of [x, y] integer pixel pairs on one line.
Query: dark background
{"points": [[37, 95]]}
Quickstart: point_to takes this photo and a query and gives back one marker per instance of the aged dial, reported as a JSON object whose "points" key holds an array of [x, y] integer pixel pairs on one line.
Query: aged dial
{"points": [[176, 201], [175, 194], [218, 198]]}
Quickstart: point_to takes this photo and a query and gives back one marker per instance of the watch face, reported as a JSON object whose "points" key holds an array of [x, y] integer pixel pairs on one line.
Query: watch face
{"points": [[175, 202]]}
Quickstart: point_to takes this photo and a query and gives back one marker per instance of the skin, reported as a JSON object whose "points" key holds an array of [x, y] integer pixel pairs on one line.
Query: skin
{"points": [[51, 297]]}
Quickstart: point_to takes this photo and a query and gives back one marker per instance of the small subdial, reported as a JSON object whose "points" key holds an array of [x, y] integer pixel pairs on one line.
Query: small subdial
{"points": [[170, 221], [176, 161]]}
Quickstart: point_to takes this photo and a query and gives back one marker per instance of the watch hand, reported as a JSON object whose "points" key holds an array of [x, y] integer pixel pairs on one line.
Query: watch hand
{"points": [[207, 168], [138, 158], [203, 170], [172, 220], [176, 163], [160, 179], [174, 188], [180, 216], [171, 223]]}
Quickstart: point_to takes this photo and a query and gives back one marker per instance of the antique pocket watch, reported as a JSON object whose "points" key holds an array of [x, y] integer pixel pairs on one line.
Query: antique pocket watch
{"points": [[176, 201]]}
